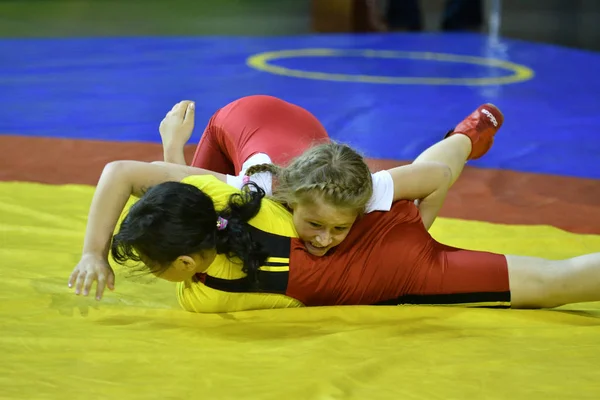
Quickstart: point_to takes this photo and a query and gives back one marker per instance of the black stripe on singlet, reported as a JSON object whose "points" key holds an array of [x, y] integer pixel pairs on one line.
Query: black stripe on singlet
{"points": [[484, 300], [275, 245], [268, 281]]}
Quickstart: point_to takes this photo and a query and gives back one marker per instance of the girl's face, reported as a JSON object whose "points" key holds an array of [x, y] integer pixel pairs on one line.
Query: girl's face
{"points": [[322, 226]]}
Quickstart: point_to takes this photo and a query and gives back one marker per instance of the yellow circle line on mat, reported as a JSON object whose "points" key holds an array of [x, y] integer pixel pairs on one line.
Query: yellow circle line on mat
{"points": [[262, 61]]}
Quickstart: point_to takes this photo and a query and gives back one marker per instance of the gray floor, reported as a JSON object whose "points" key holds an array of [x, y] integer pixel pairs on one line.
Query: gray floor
{"points": [[574, 23]]}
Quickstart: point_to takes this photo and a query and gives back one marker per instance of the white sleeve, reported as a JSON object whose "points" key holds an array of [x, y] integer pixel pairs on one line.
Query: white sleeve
{"points": [[264, 180], [235, 181], [258, 158], [383, 192]]}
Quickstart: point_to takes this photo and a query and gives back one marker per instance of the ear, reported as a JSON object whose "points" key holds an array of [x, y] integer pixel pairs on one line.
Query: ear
{"points": [[185, 263]]}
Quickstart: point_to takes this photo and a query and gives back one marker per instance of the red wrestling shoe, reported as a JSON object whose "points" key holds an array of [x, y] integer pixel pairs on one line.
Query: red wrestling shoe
{"points": [[480, 127]]}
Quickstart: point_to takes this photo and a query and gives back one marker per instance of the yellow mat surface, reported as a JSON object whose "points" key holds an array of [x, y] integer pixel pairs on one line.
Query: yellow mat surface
{"points": [[137, 344]]}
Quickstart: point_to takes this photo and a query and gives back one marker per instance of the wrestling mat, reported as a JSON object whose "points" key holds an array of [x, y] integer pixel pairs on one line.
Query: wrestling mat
{"points": [[69, 106]]}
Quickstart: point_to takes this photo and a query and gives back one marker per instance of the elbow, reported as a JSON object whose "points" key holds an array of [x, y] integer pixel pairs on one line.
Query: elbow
{"points": [[120, 174], [444, 174], [118, 170], [124, 165], [447, 177], [115, 167]]}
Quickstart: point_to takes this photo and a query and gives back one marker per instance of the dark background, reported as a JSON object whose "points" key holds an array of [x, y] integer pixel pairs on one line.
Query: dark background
{"points": [[573, 23]]}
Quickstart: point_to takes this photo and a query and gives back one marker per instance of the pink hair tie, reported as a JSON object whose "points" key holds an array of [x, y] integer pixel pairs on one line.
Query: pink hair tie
{"points": [[221, 223], [246, 179]]}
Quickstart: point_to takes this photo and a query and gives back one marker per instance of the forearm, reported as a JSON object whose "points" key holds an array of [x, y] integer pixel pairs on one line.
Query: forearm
{"points": [[111, 196], [431, 205]]}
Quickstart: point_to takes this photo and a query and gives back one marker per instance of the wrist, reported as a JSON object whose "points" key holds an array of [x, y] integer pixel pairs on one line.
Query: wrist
{"points": [[96, 254]]}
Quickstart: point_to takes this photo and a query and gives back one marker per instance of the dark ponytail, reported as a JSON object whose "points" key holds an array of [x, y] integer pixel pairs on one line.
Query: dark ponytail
{"points": [[235, 240], [174, 219]]}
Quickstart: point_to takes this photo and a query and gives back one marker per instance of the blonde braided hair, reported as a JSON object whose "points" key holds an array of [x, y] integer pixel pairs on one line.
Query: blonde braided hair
{"points": [[334, 172], [259, 168]]}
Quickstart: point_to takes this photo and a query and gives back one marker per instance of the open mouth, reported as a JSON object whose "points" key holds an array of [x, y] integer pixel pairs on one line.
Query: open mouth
{"points": [[316, 249]]}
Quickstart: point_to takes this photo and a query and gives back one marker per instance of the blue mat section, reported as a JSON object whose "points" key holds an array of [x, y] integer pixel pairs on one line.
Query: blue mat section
{"points": [[119, 89]]}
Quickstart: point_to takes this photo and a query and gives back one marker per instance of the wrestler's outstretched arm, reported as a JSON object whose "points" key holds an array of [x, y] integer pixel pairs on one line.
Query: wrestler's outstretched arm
{"points": [[119, 181]]}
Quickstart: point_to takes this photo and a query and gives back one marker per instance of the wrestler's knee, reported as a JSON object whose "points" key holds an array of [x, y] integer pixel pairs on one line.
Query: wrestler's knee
{"points": [[534, 282]]}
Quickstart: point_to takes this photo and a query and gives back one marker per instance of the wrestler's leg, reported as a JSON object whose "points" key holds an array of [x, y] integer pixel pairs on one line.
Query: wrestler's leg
{"points": [[243, 128], [471, 139], [268, 125], [210, 155], [541, 283], [453, 152], [175, 131], [452, 276], [482, 278]]}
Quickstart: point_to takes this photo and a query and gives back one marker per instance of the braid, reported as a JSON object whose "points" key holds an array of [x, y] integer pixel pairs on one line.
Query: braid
{"points": [[257, 169], [332, 190], [334, 171]]}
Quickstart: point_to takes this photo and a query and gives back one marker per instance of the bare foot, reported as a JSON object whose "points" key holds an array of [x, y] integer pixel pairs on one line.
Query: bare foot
{"points": [[176, 129]]}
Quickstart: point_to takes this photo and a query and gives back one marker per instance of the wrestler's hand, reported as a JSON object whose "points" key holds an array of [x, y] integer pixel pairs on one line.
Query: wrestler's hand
{"points": [[92, 268], [177, 126]]}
